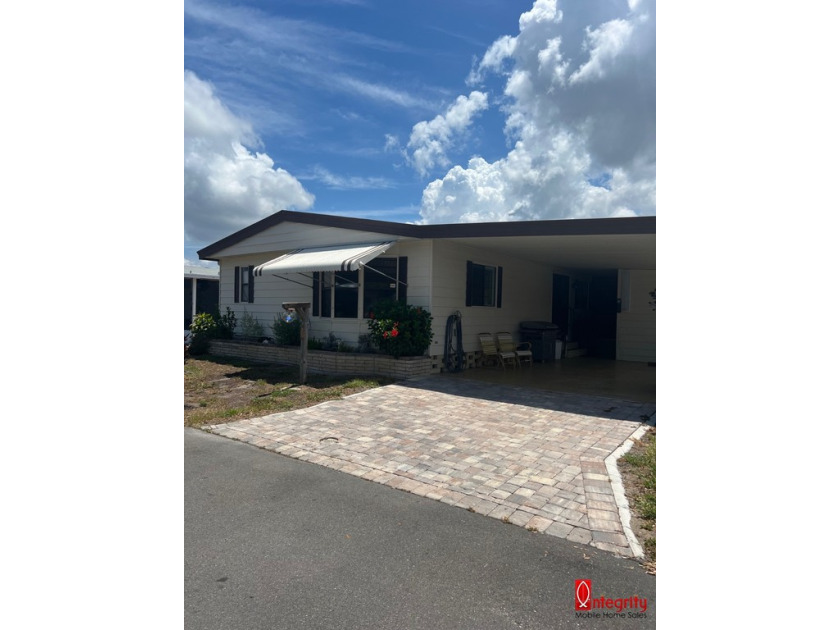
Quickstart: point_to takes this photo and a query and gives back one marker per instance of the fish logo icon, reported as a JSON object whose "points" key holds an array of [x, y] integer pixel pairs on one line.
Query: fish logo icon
{"points": [[583, 594]]}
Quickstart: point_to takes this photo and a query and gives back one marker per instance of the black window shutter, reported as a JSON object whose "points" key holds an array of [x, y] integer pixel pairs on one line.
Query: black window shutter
{"points": [[469, 283], [251, 282], [402, 276], [499, 287], [316, 293], [236, 284]]}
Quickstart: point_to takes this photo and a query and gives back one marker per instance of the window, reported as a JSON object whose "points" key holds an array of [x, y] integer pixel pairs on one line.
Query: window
{"points": [[484, 285], [243, 284], [322, 294], [346, 293], [380, 282], [336, 294]]}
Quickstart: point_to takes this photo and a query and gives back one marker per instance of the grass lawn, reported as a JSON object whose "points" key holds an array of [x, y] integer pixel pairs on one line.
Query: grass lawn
{"points": [[638, 473], [220, 389]]}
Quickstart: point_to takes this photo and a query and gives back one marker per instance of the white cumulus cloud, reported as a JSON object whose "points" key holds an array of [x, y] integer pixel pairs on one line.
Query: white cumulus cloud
{"points": [[227, 185], [580, 115], [493, 59], [605, 44], [430, 139]]}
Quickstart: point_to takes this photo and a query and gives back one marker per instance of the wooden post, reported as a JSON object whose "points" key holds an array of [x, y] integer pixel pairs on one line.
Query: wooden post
{"points": [[302, 311]]}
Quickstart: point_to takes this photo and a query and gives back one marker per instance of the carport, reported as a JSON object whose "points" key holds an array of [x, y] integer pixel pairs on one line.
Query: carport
{"points": [[603, 276]]}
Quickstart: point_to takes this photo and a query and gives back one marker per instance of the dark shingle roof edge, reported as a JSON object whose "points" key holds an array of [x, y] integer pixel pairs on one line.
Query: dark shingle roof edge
{"points": [[554, 227]]}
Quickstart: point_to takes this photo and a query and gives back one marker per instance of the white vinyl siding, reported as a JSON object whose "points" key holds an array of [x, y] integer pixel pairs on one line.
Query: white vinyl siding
{"points": [[419, 270], [526, 294], [268, 296], [636, 327], [271, 292], [287, 236]]}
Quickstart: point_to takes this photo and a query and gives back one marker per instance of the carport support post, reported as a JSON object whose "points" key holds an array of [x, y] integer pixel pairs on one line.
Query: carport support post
{"points": [[304, 340], [302, 311]]}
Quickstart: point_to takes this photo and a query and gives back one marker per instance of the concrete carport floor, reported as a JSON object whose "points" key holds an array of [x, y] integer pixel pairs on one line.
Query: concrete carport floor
{"points": [[539, 459], [626, 380]]}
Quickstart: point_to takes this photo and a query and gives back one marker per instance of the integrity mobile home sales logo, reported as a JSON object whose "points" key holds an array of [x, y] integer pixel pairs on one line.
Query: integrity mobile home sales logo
{"points": [[583, 594], [608, 607]]}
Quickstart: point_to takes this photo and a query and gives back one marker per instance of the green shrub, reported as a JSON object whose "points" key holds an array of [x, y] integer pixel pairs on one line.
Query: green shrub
{"points": [[251, 326], [314, 344], [365, 345], [400, 330], [286, 329], [226, 324], [203, 329], [330, 343]]}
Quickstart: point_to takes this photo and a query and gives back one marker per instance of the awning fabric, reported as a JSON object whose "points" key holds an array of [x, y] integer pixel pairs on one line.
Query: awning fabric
{"points": [[337, 258]]}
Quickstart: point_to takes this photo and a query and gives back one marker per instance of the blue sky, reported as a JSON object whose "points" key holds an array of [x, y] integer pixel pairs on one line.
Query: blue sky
{"points": [[428, 112]]}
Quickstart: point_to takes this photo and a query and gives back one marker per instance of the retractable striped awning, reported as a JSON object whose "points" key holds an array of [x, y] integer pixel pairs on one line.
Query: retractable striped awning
{"points": [[340, 258]]}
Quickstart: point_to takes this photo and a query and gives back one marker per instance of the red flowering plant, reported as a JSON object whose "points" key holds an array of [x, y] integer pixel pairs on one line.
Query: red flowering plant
{"points": [[398, 329]]}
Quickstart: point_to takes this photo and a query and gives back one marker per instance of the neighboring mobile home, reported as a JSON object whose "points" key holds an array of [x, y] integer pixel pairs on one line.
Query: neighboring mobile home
{"points": [[591, 277], [201, 292]]}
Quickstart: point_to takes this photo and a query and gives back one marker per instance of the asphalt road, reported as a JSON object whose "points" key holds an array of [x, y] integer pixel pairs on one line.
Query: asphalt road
{"points": [[273, 543]]}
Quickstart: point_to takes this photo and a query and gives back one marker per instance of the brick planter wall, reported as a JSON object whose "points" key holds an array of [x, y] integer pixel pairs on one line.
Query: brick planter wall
{"points": [[321, 362]]}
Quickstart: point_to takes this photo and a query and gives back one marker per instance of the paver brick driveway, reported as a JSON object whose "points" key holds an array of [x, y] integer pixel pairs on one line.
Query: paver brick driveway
{"points": [[532, 458]]}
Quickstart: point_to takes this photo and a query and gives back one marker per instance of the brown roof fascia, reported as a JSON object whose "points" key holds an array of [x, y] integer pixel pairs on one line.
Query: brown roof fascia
{"points": [[325, 220], [557, 227]]}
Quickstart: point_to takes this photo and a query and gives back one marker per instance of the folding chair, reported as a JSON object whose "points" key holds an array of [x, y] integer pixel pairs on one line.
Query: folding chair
{"points": [[522, 352], [491, 352]]}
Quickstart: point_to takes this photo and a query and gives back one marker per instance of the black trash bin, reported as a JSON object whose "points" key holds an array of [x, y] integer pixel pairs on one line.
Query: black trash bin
{"points": [[542, 336]]}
